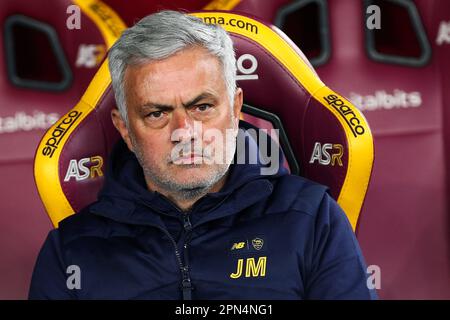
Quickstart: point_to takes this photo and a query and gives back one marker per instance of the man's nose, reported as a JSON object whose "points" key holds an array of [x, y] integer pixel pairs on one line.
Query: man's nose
{"points": [[183, 127]]}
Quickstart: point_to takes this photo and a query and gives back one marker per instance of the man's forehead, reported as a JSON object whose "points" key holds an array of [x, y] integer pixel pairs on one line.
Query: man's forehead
{"points": [[202, 97], [183, 63], [187, 73]]}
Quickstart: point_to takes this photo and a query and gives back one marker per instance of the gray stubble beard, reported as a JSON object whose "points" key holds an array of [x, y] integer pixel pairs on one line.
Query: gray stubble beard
{"points": [[181, 191]]}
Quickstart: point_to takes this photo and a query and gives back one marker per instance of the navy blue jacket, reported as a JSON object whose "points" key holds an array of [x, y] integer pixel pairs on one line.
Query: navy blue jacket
{"points": [[260, 237]]}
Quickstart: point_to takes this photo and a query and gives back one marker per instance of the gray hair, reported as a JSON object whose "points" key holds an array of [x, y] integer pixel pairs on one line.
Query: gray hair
{"points": [[162, 34]]}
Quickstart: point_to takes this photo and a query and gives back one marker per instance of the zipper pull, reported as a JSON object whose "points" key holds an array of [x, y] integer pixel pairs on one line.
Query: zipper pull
{"points": [[187, 223], [186, 285], [187, 289]]}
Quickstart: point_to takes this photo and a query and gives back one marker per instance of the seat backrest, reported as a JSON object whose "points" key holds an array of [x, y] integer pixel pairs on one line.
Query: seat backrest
{"points": [[399, 76], [44, 69], [45, 66], [398, 85], [326, 135]]}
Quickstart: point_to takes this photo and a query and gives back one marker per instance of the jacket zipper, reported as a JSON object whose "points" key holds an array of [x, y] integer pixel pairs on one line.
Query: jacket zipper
{"points": [[186, 283]]}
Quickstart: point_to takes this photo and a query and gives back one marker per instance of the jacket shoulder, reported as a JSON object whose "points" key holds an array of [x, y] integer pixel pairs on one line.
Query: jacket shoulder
{"points": [[84, 223], [295, 193]]}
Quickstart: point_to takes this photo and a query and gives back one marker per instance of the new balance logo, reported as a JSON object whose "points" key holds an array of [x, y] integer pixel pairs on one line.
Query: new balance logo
{"points": [[238, 245]]}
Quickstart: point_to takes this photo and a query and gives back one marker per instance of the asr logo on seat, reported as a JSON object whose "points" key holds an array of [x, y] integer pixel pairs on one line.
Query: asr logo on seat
{"points": [[250, 268], [90, 55], [327, 154], [84, 168]]}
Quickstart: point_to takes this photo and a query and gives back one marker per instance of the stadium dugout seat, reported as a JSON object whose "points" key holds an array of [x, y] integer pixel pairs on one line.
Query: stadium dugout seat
{"points": [[399, 77], [44, 68], [323, 136], [395, 77]]}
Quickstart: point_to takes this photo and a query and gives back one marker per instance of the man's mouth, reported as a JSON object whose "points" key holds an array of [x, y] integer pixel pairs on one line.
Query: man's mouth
{"points": [[193, 158]]}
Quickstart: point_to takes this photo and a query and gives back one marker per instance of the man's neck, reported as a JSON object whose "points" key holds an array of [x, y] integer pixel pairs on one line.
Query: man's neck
{"points": [[180, 201]]}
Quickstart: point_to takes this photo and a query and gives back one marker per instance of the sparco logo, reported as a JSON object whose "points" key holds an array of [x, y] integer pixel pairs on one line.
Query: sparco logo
{"points": [[58, 133], [347, 113]]}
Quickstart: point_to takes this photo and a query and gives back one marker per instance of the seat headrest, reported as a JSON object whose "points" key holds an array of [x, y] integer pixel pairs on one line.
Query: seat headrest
{"points": [[46, 66], [328, 138]]}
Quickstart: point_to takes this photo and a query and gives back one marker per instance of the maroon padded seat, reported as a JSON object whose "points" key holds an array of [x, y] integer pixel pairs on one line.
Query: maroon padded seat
{"points": [[405, 226], [326, 135], [44, 68], [399, 76]]}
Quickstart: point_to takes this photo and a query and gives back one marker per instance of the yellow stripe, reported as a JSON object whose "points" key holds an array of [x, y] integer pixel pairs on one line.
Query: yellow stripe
{"points": [[46, 169], [221, 5], [360, 159], [360, 152], [106, 19]]}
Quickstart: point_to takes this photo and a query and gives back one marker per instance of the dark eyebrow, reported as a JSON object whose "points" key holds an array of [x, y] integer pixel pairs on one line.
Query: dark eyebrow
{"points": [[160, 107], [204, 95], [165, 107]]}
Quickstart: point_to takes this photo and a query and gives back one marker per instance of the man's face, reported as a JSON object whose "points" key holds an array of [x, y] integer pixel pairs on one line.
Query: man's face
{"points": [[171, 105]]}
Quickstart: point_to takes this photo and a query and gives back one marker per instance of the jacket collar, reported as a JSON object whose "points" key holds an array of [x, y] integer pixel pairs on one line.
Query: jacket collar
{"points": [[126, 199]]}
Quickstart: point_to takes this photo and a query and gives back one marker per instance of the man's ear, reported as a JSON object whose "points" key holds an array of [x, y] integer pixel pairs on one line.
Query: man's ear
{"points": [[121, 127], [238, 101]]}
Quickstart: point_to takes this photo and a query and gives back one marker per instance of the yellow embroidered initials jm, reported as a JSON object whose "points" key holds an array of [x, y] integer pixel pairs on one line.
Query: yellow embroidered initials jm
{"points": [[252, 269]]}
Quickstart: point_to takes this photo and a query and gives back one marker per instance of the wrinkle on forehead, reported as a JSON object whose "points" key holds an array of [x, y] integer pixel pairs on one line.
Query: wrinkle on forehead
{"points": [[176, 79]]}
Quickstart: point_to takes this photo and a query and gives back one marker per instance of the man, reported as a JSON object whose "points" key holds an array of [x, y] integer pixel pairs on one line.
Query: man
{"points": [[181, 216]]}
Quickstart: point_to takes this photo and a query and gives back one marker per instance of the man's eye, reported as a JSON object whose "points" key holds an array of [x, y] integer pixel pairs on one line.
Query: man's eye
{"points": [[203, 107], [155, 114]]}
